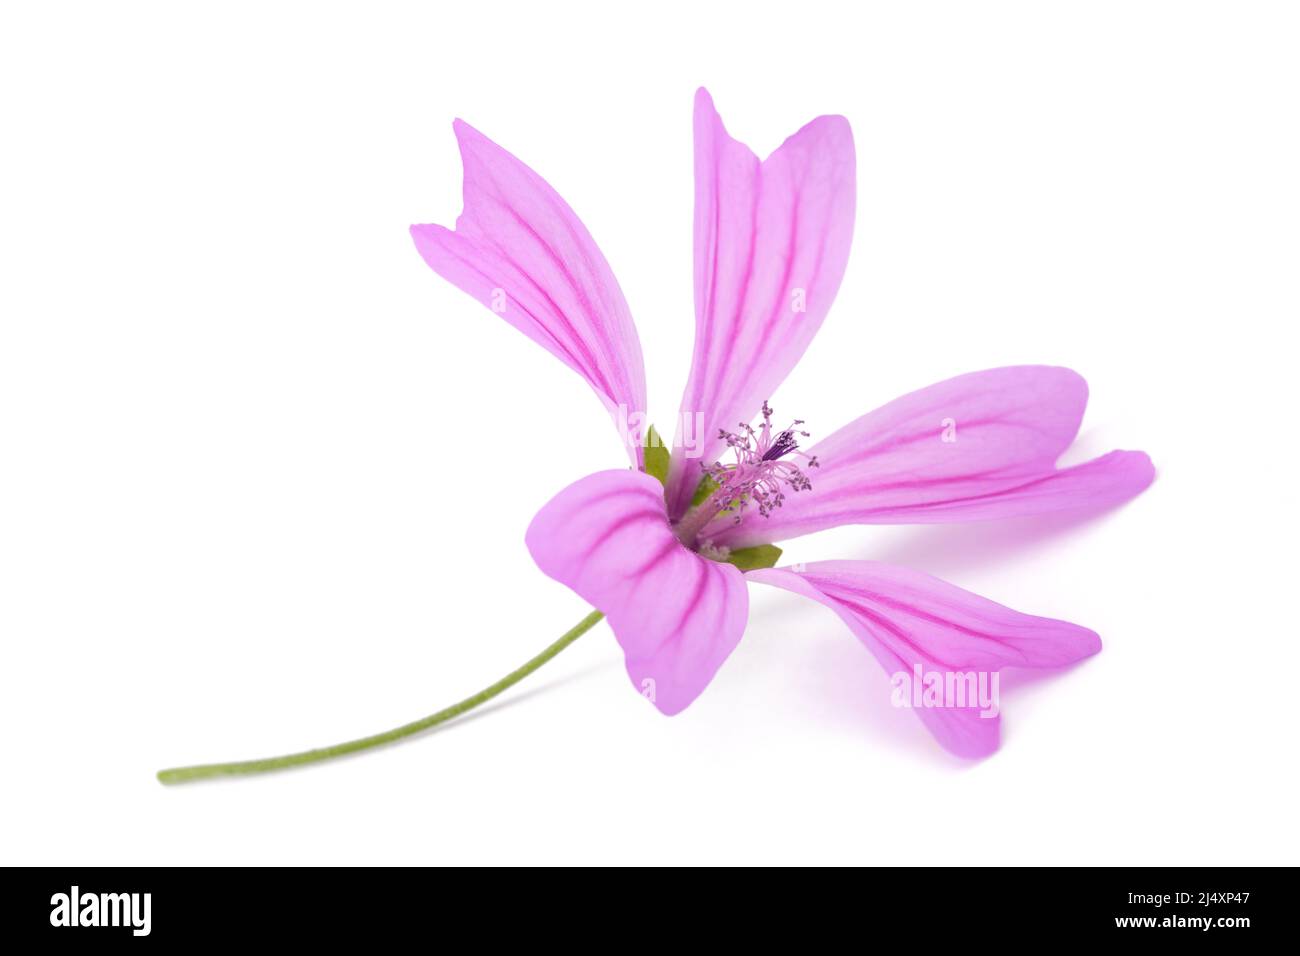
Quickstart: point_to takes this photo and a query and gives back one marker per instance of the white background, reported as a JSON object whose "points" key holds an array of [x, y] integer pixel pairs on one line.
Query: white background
{"points": [[266, 477]]}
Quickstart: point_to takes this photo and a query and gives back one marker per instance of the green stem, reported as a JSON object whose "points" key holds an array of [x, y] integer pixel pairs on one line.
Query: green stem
{"points": [[203, 771]]}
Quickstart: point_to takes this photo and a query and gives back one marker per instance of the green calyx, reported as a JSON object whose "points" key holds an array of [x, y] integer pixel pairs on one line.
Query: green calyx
{"points": [[656, 456], [751, 559]]}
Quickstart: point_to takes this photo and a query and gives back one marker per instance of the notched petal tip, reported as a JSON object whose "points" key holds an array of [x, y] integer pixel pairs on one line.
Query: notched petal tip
{"points": [[918, 625], [772, 241], [981, 446], [519, 249]]}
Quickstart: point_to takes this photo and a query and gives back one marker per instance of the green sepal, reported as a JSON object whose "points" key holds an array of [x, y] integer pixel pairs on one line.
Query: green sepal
{"points": [[706, 487], [657, 456], [751, 559]]}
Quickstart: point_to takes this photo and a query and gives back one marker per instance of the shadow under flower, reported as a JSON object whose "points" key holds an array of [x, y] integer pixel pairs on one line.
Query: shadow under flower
{"points": [[948, 551]]}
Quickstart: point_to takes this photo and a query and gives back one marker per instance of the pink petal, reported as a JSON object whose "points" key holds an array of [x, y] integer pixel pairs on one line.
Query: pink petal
{"points": [[893, 466], [907, 618], [765, 234], [520, 250], [676, 615]]}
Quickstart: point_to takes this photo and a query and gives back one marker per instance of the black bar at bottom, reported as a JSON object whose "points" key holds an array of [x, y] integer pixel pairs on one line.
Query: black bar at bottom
{"points": [[131, 907]]}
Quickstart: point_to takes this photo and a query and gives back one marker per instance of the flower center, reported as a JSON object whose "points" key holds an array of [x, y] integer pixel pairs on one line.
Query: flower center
{"points": [[764, 467]]}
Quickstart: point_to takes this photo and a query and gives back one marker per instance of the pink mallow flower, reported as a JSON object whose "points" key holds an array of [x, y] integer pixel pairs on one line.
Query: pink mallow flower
{"points": [[667, 550]]}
